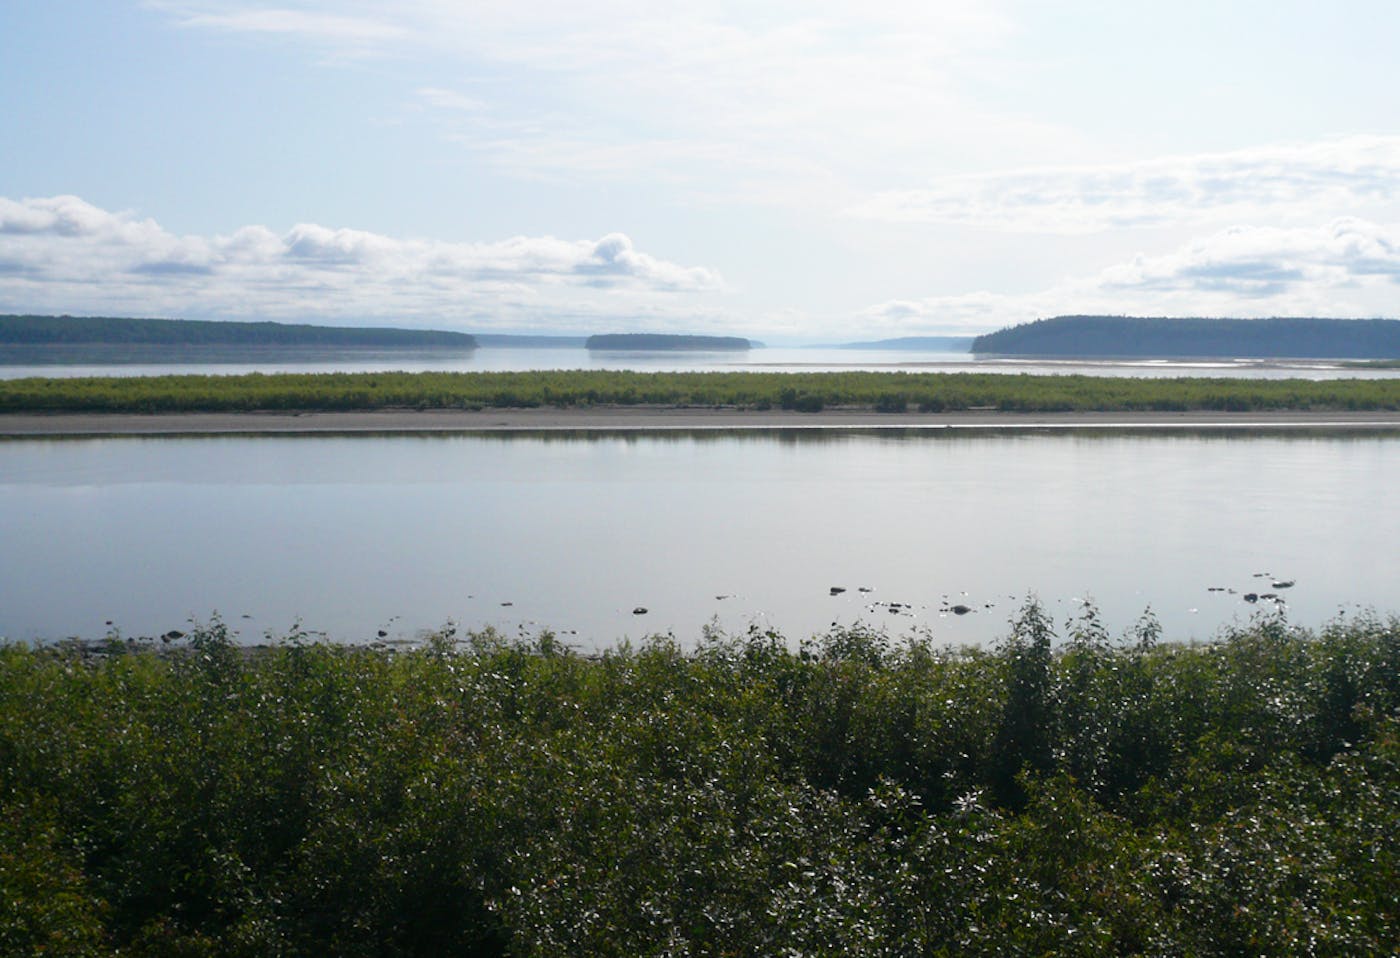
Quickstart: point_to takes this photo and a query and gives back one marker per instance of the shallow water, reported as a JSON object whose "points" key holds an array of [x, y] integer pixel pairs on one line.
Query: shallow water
{"points": [[354, 535]]}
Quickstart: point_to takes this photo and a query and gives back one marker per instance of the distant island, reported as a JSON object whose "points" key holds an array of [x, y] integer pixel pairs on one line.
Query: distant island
{"points": [[114, 339], [661, 342], [943, 344], [1135, 336]]}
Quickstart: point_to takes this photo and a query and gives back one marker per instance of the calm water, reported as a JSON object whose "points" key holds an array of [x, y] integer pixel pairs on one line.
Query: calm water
{"points": [[757, 360], [351, 535]]}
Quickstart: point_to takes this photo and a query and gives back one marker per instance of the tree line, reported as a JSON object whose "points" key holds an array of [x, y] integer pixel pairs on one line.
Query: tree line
{"points": [[1137, 336], [121, 331]]}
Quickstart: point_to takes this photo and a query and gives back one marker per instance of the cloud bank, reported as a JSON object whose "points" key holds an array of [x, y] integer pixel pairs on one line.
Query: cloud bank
{"points": [[64, 254], [1297, 181], [1346, 268]]}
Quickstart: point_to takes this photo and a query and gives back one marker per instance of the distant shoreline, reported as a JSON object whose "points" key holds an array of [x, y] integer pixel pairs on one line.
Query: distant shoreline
{"points": [[656, 419]]}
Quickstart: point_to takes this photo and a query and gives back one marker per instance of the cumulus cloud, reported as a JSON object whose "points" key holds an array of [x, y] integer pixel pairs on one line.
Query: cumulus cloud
{"points": [[1270, 262], [64, 253], [1346, 268], [1295, 180]]}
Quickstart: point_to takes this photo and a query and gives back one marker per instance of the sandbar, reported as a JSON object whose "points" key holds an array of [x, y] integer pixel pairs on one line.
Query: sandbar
{"points": [[656, 418]]}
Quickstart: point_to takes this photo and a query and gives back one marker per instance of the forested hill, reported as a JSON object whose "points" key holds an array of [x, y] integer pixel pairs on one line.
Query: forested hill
{"points": [[72, 331], [665, 342], [1131, 336]]}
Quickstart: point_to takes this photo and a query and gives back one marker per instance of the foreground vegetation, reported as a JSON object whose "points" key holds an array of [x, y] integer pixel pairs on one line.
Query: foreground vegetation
{"points": [[887, 392], [852, 796]]}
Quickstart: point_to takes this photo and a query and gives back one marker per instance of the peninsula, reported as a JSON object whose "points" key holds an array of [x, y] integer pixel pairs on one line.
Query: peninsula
{"points": [[112, 338], [1162, 337]]}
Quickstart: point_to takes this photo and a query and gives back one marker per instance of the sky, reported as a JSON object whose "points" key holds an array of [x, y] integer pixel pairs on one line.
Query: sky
{"points": [[797, 172]]}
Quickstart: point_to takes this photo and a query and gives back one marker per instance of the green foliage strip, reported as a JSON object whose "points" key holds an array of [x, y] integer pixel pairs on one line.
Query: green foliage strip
{"points": [[851, 796], [889, 392]]}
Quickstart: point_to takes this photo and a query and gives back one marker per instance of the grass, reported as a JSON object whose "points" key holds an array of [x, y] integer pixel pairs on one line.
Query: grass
{"points": [[889, 392]]}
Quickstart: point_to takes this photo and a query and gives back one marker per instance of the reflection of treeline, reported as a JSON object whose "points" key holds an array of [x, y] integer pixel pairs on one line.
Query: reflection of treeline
{"points": [[851, 796], [118, 331], [665, 342], [887, 392], [1128, 336]]}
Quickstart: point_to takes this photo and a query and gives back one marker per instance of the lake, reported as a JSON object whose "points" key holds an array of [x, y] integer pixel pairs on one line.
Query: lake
{"points": [[353, 535]]}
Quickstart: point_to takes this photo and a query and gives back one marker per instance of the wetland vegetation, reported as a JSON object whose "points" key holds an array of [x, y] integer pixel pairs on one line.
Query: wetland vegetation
{"points": [[810, 392], [851, 794]]}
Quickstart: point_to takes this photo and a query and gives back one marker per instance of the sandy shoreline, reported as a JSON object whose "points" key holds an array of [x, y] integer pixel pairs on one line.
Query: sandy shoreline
{"points": [[633, 418]]}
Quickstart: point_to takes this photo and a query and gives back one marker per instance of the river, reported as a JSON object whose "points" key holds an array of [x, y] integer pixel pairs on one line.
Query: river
{"points": [[351, 536], [774, 359]]}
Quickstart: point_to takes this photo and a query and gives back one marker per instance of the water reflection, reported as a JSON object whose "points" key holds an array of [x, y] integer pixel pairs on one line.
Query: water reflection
{"points": [[356, 534]]}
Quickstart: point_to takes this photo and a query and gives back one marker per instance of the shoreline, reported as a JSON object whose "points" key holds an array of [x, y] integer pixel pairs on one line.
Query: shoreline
{"points": [[657, 419]]}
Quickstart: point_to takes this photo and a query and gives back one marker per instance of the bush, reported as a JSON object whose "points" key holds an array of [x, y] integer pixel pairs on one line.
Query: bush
{"points": [[855, 793]]}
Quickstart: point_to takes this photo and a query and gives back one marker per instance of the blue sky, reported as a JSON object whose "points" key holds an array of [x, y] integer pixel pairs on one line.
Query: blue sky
{"points": [[808, 171]]}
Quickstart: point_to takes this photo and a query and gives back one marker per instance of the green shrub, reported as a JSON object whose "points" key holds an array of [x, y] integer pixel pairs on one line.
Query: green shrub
{"points": [[854, 793]]}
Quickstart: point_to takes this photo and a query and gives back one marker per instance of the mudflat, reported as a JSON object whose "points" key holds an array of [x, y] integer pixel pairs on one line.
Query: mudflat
{"points": [[653, 418]]}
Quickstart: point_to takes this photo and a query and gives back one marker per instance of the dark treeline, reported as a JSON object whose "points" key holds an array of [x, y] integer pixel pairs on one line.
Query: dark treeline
{"points": [[810, 392], [663, 342], [119, 331], [1132, 336], [854, 795]]}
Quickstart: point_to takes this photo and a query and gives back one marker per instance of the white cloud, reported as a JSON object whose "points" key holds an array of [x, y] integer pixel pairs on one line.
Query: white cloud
{"points": [[1271, 263], [1347, 268], [351, 33], [1292, 181], [62, 253], [780, 100]]}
